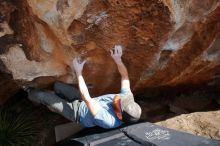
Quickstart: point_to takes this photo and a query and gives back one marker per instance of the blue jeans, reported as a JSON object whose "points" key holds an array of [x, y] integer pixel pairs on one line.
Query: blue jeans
{"points": [[65, 101]]}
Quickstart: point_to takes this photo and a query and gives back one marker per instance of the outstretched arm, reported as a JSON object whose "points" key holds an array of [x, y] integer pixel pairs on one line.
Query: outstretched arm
{"points": [[92, 105], [116, 54]]}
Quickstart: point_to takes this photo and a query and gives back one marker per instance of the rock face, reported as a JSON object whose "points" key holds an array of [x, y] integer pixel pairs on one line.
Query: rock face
{"points": [[196, 123], [166, 42]]}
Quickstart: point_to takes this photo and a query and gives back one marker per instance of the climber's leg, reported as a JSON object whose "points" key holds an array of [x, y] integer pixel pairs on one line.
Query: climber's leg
{"points": [[67, 109], [67, 91]]}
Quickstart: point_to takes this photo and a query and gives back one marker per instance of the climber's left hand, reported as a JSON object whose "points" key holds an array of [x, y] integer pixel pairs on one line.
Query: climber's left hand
{"points": [[78, 64]]}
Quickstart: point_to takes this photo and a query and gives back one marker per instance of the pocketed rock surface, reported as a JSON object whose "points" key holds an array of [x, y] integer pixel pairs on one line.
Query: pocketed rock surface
{"points": [[166, 42]]}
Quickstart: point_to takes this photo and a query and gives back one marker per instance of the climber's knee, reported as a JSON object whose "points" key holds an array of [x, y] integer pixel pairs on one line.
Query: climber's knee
{"points": [[57, 86], [36, 95]]}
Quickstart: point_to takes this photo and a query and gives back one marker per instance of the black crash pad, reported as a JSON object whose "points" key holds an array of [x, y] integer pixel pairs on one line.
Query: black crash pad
{"points": [[142, 134]]}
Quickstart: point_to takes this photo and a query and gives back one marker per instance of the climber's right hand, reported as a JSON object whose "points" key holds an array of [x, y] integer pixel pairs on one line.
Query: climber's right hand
{"points": [[116, 53]]}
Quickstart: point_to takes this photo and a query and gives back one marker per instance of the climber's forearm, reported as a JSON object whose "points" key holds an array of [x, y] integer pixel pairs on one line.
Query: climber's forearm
{"points": [[122, 70], [116, 54], [83, 88], [125, 83]]}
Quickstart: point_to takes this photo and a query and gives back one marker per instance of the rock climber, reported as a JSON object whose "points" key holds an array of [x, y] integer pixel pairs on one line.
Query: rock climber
{"points": [[106, 111]]}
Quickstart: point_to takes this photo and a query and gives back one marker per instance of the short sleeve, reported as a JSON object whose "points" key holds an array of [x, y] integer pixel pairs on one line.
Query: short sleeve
{"points": [[106, 119], [125, 91]]}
